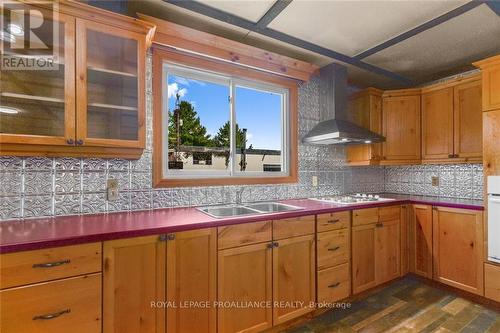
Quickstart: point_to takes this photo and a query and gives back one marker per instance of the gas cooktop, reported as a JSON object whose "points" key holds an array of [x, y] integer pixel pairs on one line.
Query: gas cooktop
{"points": [[352, 199]]}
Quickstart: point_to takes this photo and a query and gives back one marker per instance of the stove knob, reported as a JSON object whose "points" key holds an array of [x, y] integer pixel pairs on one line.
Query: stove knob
{"points": [[363, 195], [370, 196], [377, 197]]}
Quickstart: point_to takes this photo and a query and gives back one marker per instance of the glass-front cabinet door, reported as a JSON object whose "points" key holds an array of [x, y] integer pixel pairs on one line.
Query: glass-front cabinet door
{"points": [[37, 95], [110, 86]]}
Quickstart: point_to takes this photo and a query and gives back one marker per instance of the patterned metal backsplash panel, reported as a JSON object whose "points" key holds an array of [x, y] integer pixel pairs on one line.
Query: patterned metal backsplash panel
{"points": [[36, 187]]}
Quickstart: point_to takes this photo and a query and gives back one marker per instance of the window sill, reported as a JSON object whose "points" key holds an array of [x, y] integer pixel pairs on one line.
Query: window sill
{"points": [[184, 182]]}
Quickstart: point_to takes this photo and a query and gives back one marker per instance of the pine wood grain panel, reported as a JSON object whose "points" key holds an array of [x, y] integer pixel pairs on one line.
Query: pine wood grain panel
{"points": [[387, 251], [293, 227], [333, 221], [490, 70], [244, 234], [75, 302], [134, 276], [389, 213], [421, 240], [21, 268], [365, 216], [245, 275], [458, 248], [363, 257], [294, 278], [192, 277], [334, 283], [491, 137], [333, 248], [468, 128], [437, 124], [405, 239], [492, 282]]}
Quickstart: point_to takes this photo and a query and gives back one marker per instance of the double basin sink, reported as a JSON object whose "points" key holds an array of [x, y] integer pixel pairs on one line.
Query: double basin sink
{"points": [[247, 209]]}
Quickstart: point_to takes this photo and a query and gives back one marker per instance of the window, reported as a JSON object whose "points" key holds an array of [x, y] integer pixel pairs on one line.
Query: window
{"points": [[222, 127]]}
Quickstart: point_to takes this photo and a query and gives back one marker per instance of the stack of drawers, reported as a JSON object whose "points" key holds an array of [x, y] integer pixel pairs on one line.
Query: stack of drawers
{"points": [[333, 248], [51, 290]]}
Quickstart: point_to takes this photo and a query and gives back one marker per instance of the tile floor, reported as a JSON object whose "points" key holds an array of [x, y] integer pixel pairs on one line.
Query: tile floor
{"points": [[407, 305]]}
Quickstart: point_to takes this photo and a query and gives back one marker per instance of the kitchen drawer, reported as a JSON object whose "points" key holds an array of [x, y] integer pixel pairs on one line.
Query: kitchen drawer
{"points": [[389, 213], [28, 267], [298, 226], [68, 305], [492, 282], [244, 234], [334, 283], [333, 221], [333, 248], [364, 216]]}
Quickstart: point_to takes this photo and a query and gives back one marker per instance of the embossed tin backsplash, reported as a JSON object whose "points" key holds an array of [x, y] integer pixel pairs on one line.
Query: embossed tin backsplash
{"points": [[38, 187]]}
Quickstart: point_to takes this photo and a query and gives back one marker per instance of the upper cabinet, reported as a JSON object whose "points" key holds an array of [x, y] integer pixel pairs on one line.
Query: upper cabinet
{"points": [[401, 127], [452, 122], [93, 102], [490, 69], [365, 110]]}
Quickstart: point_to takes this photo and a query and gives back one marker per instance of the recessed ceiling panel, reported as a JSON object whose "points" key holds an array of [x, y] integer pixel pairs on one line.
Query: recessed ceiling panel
{"points": [[351, 27], [466, 38], [251, 10]]}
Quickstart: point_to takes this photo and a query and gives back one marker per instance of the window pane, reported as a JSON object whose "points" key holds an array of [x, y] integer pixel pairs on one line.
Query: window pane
{"points": [[259, 133], [198, 124]]}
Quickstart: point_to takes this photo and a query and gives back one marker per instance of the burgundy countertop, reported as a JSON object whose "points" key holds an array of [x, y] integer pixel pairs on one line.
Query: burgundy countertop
{"points": [[21, 235]]}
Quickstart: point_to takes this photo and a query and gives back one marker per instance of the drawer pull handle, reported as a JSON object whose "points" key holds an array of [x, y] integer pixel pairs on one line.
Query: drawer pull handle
{"points": [[335, 285], [51, 315], [334, 248], [52, 264], [333, 221], [379, 225]]}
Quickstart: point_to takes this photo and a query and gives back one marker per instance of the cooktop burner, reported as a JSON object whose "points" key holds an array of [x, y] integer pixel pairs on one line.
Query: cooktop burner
{"points": [[353, 199]]}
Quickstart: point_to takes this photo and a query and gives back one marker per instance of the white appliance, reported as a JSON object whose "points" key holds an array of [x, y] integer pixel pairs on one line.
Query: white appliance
{"points": [[494, 218], [353, 199]]}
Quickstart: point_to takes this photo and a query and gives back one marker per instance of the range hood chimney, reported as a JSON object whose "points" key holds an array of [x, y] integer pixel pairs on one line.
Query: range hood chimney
{"points": [[335, 127]]}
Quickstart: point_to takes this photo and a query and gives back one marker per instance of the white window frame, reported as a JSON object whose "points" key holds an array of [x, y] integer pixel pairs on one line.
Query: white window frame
{"points": [[232, 82]]}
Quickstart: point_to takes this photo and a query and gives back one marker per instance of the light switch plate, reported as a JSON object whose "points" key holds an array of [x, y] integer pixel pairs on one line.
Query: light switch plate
{"points": [[112, 188], [435, 181], [314, 181]]}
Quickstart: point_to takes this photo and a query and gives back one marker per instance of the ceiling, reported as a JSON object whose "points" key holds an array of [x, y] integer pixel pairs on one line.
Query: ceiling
{"points": [[419, 41]]}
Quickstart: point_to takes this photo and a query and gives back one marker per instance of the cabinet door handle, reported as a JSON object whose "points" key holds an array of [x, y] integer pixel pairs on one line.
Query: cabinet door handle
{"points": [[51, 315], [334, 248], [270, 245], [52, 264], [276, 244], [79, 142], [70, 142], [335, 285], [451, 155], [379, 225], [333, 221]]}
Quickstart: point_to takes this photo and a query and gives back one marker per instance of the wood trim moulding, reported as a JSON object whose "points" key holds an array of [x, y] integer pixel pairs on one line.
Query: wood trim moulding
{"points": [[191, 40], [366, 92], [162, 54], [452, 82], [488, 62], [20, 149], [402, 92]]}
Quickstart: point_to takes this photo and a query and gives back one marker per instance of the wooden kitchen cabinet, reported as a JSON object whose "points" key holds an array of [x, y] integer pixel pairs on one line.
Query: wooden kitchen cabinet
{"points": [[363, 257], [492, 282], [401, 118], [365, 110], [452, 122], [458, 248], [490, 71], [405, 239], [387, 250], [421, 240], [192, 277], [294, 269], [133, 277], [245, 274], [94, 103]]}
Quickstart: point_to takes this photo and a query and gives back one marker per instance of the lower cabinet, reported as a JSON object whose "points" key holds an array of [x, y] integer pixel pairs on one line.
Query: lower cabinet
{"points": [[375, 248], [421, 240], [134, 277], [492, 282], [192, 281], [245, 275], [458, 248]]}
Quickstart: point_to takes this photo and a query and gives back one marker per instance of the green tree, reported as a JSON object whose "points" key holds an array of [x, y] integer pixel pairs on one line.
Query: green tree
{"points": [[192, 132], [221, 139]]}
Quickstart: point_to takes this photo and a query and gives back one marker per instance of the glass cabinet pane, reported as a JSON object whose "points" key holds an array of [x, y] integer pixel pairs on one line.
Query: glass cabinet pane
{"points": [[112, 87], [32, 101]]}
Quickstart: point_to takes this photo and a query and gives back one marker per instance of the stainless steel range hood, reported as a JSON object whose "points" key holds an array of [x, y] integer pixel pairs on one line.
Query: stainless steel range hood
{"points": [[335, 127]]}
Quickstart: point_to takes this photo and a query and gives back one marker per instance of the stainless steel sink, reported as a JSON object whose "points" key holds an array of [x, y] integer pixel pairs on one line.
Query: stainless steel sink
{"points": [[272, 207], [228, 211], [248, 209]]}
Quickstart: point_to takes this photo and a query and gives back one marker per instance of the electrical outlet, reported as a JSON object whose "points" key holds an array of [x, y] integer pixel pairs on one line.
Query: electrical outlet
{"points": [[112, 188], [435, 181], [315, 181]]}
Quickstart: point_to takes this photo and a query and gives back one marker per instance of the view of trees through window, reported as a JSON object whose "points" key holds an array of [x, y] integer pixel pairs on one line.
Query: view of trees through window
{"points": [[199, 126]]}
